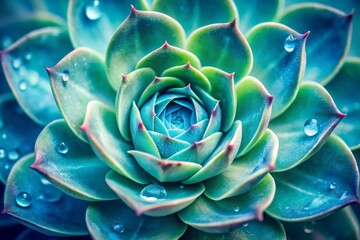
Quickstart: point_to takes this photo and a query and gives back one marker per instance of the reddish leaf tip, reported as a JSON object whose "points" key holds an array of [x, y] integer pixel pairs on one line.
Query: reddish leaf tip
{"points": [[188, 65], [233, 23], [156, 79], [166, 44], [133, 9], [4, 211], [270, 99], [340, 115], [140, 125], [259, 215]]}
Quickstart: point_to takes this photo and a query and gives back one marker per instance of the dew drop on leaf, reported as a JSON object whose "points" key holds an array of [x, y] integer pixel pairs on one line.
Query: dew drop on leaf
{"points": [[245, 224], [23, 199], [45, 181], [16, 63], [153, 192], [332, 186], [23, 85], [117, 228], [309, 227], [62, 148], [2, 153], [290, 43], [50, 194], [4, 136], [65, 76], [237, 209], [13, 155], [28, 56], [93, 10], [311, 127]]}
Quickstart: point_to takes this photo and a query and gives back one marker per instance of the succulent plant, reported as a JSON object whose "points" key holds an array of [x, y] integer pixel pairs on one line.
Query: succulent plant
{"points": [[181, 119]]}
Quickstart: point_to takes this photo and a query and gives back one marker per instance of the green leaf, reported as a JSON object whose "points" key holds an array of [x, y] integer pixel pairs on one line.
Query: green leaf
{"points": [[221, 157], [343, 89], [102, 131], [90, 18], [141, 33], [279, 61], [253, 109], [133, 85], [79, 78], [327, 227], [305, 125], [167, 56], [70, 163], [253, 230], [113, 220], [245, 172], [43, 207], [254, 12], [17, 134], [195, 14], [23, 65], [318, 186], [224, 215], [329, 41], [174, 197], [222, 89], [229, 52]]}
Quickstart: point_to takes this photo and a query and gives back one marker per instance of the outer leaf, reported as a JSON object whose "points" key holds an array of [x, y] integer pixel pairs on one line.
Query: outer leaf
{"points": [[77, 79], [318, 186], [104, 137], [229, 49], [141, 33], [343, 89], [222, 216], [314, 104], [17, 134], [177, 196], [254, 12], [329, 41], [279, 63], [253, 109], [69, 163], [90, 18], [23, 64], [254, 230], [103, 217], [195, 14], [245, 172], [65, 216]]}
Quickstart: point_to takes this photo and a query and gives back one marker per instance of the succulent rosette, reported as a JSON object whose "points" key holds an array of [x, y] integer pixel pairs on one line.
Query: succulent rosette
{"points": [[182, 119]]}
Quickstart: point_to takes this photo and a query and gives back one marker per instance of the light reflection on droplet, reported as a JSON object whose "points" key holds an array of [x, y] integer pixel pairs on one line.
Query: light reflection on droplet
{"points": [[93, 10], [2, 153], [290, 43], [16, 63], [309, 227], [332, 186], [13, 155], [23, 85], [62, 148], [118, 228], [311, 127]]}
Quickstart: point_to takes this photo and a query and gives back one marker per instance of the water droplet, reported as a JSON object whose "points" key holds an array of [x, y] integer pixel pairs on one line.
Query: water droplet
{"points": [[117, 228], [182, 186], [23, 85], [309, 227], [245, 224], [287, 207], [93, 10], [16, 63], [62, 148], [65, 76], [4, 136], [311, 127], [28, 56], [49, 193], [6, 41], [290, 43], [237, 209], [153, 192], [34, 78], [7, 166], [2, 153], [23, 199], [13, 155], [332, 186], [344, 196], [45, 181]]}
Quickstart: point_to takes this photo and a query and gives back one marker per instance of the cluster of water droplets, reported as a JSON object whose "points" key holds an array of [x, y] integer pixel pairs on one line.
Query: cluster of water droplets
{"points": [[93, 10], [290, 43], [311, 127], [153, 192]]}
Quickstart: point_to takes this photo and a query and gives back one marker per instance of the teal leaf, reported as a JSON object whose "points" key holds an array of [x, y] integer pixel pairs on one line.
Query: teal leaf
{"points": [[279, 61], [17, 134], [327, 227], [41, 206], [230, 51], [329, 41], [343, 89], [102, 131], [24, 67], [318, 186], [79, 78], [114, 220], [195, 14], [254, 12], [253, 109], [89, 18], [253, 230], [166, 145], [68, 163], [141, 33], [221, 157], [224, 215], [131, 89], [222, 89], [155, 199], [167, 56], [305, 125], [245, 172]]}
